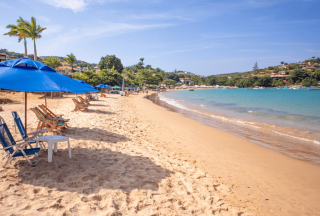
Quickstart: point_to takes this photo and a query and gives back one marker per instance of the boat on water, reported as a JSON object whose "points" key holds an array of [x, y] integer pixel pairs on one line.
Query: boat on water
{"points": [[191, 89], [250, 88]]}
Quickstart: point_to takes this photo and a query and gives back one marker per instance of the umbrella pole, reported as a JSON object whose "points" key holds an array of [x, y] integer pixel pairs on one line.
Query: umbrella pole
{"points": [[25, 112], [45, 98]]}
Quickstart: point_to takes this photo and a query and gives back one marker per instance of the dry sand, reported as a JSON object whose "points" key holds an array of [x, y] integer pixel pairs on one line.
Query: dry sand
{"points": [[131, 157]]}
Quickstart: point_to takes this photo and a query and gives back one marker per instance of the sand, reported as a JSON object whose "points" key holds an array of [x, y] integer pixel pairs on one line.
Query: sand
{"points": [[131, 157]]}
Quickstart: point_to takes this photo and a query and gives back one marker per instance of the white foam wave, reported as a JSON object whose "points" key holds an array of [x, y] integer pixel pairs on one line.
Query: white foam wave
{"points": [[172, 102], [251, 124]]}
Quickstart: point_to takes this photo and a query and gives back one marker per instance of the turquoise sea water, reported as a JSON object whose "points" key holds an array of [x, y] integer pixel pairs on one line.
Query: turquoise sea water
{"points": [[292, 115]]}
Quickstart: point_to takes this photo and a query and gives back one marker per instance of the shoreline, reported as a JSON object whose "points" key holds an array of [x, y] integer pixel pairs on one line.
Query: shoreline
{"points": [[297, 145], [278, 181]]}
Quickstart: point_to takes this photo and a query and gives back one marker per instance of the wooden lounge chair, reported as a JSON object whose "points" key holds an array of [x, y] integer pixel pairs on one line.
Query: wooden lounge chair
{"points": [[53, 116], [79, 106], [91, 97], [15, 149], [82, 100], [52, 125], [30, 136], [103, 94]]}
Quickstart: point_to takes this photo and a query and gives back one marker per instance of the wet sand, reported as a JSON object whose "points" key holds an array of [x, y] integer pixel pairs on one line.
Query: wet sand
{"points": [[132, 157]]}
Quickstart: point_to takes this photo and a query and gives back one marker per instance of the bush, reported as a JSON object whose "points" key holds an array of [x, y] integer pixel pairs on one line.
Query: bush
{"points": [[306, 82]]}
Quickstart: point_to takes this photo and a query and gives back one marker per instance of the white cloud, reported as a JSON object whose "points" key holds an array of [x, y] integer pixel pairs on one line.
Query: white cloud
{"points": [[79, 35], [109, 29], [75, 5]]}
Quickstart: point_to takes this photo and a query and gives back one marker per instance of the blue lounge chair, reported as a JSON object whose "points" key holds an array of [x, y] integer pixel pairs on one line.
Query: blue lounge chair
{"points": [[19, 125], [15, 149]]}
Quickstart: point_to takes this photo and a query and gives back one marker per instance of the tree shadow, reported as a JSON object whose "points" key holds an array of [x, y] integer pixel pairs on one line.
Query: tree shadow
{"points": [[90, 170], [94, 134], [99, 111], [98, 105]]}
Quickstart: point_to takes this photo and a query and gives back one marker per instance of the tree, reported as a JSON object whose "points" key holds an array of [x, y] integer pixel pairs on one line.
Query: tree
{"points": [[278, 83], [197, 80], [297, 76], [211, 80], [52, 61], [172, 76], [169, 82], [32, 30], [15, 31], [142, 59], [111, 77], [313, 57], [255, 67], [282, 62], [148, 67], [306, 82], [110, 61], [71, 59], [265, 81]]}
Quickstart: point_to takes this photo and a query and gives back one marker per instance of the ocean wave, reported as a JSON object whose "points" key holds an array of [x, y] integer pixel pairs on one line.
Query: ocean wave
{"points": [[271, 128]]}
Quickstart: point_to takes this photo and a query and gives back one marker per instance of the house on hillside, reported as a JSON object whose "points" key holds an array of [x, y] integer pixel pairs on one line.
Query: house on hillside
{"points": [[187, 81], [284, 66], [65, 64], [280, 75], [63, 69], [3, 57]]}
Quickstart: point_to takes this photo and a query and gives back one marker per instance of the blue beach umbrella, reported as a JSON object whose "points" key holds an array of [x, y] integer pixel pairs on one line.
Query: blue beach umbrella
{"points": [[100, 86], [31, 76], [116, 87], [106, 86], [86, 84]]}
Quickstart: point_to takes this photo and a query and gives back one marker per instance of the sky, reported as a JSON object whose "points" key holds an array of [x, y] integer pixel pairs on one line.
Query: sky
{"points": [[205, 37]]}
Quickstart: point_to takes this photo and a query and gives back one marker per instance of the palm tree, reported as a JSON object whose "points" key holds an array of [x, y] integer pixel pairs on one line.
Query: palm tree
{"points": [[15, 31], [142, 59], [52, 61], [71, 59], [33, 31]]}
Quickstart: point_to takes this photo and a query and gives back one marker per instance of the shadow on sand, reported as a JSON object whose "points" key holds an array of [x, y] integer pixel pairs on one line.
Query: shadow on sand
{"points": [[95, 134], [90, 170], [100, 111]]}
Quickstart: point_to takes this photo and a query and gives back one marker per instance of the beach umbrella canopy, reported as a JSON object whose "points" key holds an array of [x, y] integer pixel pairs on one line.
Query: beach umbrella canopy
{"points": [[86, 84], [100, 86], [116, 87], [32, 76]]}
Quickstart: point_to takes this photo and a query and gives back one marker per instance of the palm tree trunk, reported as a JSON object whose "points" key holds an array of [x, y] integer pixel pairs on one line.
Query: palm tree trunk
{"points": [[25, 48], [35, 49]]}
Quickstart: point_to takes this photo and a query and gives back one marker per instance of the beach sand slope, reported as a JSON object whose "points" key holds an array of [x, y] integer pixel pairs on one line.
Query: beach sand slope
{"points": [[119, 166]]}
